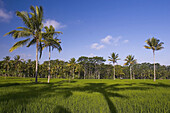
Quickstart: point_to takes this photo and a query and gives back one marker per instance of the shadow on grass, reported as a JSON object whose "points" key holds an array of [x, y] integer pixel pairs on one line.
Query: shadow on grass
{"points": [[14, 84], [103, 89], [28, 92], [157, 85], [60, 109], [31, 92]]}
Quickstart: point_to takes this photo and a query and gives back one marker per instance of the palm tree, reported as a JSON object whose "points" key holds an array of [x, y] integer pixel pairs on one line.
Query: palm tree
{"points": [[7, 64], [32, 31], [17, 62], [155, 45], [72, 64], [114, 58], [49, 41], [130, 60]]}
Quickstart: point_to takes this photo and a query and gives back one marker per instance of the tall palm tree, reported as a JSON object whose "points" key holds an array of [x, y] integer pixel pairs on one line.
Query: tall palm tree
{"points": [[155, 45], [130, 60], [114, 58], [50, 42], [32, 30]]}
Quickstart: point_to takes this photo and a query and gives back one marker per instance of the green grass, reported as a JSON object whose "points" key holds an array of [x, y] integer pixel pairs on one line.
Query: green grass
{"points": [[84, 96]]}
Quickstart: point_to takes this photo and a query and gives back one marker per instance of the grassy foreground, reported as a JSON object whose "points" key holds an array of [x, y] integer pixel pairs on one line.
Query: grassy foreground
{"points": [[84, 96]]}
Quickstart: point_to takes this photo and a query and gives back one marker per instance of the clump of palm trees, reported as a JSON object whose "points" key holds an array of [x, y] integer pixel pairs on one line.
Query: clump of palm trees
{"points": [[33, 22], [152, 43], [129, 61]]}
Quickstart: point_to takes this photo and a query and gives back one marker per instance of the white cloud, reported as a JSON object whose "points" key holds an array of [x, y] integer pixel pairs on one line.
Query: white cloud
{"points": [[54, 23], [25, 56], [116, 40], [91, 55], [125, 41], [107, 39], [97, 46], [5, 16]]}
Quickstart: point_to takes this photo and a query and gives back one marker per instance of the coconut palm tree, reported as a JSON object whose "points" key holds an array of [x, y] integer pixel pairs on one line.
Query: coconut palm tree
{"points": [[17, 62], [155, 45], [114, 58], [72, 65], [130, 60], [50, 42], [7, 64], [31, 31]]}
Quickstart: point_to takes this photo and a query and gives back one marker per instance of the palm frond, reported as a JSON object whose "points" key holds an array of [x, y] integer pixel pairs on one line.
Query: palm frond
{"points": [[19, 44], [147, 47], [32, 42]]}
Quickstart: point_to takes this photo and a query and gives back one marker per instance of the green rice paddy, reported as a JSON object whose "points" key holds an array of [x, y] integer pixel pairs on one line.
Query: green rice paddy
{"points": [[22, 95]]}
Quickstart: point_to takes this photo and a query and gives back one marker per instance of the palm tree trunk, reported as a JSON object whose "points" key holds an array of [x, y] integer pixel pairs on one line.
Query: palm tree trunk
{"points": [[84, 74], [154, 65], [36, 68], [79, 74], [49, 64], [73, 72], [114, 73], [130, 73]]}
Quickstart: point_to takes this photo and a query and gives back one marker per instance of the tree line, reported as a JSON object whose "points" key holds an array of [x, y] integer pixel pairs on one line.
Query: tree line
{"points": [[82, 68]]}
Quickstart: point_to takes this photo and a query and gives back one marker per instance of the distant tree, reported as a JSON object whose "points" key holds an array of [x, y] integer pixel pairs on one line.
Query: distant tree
{"points": [[114, 58], [7, 64], [72, 64], [130, 60], [155, 45], [83, 61], [33, 22], [17, 63], [98, 61]]}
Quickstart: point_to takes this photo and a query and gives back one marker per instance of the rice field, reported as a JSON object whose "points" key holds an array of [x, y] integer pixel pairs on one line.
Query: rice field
{"points": [[84, 96]]}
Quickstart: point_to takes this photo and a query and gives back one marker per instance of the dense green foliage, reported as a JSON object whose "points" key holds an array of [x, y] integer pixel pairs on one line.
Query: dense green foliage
{"points": [[84, 67], [84, 96]]}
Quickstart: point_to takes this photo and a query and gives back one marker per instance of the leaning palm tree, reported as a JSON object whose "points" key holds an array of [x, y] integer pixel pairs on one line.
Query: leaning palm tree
{"points": [[31, 30], [50, 42], [130, 60], [155, 45], [114, 58]]}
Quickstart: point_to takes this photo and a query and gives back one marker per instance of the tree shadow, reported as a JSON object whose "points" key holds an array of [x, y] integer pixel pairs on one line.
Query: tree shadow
{"points": [[26, 94], [106, 90], [14, 84], [31, 92], [157, 85], [60, 109]]}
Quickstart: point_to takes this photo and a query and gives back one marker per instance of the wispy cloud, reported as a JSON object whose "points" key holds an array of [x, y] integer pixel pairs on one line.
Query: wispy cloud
{"points": [[125, 41], [91, 55], [107, 39], [116, 40], [25, 56], [97, 46], [54, 23], [5, 16]]}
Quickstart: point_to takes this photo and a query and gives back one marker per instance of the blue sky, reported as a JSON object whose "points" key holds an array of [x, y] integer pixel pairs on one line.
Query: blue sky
{"points": [[94, 27]]}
